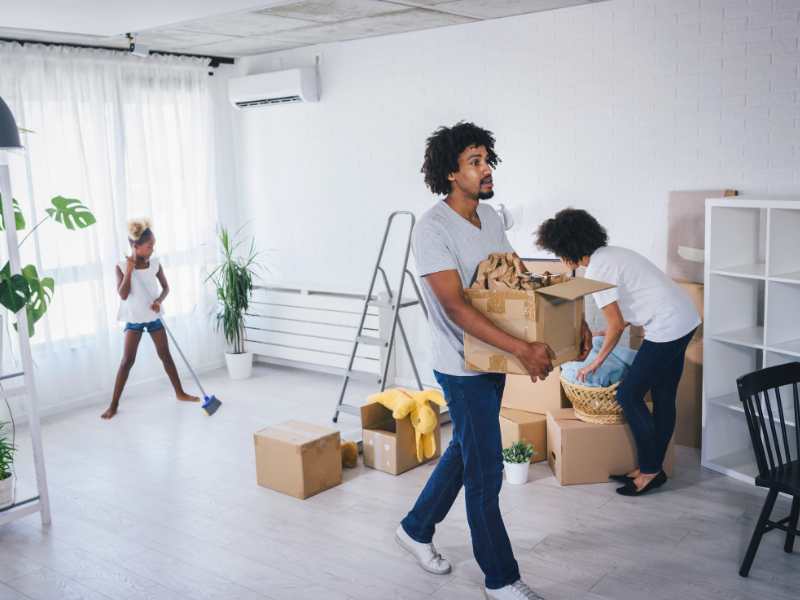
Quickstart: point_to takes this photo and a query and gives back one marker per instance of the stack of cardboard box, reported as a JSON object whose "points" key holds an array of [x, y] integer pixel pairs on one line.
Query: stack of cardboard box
{"points": [[689, 400], [685, 264], [523, 416], [540, 414]]}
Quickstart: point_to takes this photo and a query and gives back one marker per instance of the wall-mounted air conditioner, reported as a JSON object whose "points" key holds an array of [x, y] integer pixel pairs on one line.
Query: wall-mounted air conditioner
{"points": [[278, 87]]}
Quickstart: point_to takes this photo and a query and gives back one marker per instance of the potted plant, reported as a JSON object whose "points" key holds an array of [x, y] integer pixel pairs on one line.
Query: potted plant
{"points": [[516, 459], [233, 280], [28, 290], [7, 450]]}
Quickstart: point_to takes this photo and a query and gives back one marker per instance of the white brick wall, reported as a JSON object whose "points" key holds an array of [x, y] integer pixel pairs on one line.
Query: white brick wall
{"points": [[606, 106]]}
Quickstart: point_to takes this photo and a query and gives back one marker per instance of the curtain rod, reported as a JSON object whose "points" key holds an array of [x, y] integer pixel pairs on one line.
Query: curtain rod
{"points": [[215, 61]]}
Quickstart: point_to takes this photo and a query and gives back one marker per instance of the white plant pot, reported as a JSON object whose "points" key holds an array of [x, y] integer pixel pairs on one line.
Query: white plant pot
{"points": [[516, 473], [7, 492], [240, 366]]}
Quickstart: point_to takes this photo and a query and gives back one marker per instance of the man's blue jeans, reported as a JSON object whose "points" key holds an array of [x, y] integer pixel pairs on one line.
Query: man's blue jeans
{"points": [[472, 460]]}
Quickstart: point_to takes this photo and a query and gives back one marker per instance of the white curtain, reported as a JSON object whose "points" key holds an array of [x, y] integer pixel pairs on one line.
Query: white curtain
{"points": [[127, 137]]}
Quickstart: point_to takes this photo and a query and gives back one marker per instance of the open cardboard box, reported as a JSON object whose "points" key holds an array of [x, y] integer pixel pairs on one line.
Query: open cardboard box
{"points": [[390, 444], [552, 315]]}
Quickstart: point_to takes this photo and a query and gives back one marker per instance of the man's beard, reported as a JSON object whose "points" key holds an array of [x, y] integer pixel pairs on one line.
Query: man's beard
{"points": [[485, 195]]}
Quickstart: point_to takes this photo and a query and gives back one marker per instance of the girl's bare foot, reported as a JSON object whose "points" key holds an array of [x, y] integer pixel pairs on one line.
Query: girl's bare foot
{"points": [[110, 412], [184, 397], [634, 474]]}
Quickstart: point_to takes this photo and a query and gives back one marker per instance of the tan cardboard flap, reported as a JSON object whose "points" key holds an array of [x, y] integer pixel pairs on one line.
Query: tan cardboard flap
{"points": [[295, 433], [540, 265], [574, 288], [376, 416]]}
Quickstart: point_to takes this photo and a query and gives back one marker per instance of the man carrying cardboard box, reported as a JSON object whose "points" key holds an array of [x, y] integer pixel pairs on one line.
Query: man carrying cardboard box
{"points": [[449, 242]]}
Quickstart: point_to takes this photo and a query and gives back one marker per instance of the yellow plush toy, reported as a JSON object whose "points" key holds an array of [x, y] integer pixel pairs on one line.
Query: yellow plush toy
{"points": [[424, 418]]}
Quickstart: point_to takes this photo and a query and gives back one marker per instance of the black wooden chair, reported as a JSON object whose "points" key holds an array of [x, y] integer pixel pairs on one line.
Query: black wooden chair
{"points": [[776, 446]]}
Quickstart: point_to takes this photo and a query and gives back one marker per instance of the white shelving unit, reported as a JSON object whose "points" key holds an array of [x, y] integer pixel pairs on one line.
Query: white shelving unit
{"points": [[40, 502], [752, 300]]}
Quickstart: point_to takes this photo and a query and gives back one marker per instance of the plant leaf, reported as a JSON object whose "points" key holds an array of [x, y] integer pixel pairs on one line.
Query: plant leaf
{"points": [[71, 213], [14, 290], [42, 291], [19, 218]]}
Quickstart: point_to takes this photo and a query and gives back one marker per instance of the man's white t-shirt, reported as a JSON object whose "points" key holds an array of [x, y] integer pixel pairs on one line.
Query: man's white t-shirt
{"points": [[444, 240], [646, 296]]}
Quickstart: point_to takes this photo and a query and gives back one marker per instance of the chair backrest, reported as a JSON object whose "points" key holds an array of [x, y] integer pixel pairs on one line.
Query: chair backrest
{"points": [[774, 443]]}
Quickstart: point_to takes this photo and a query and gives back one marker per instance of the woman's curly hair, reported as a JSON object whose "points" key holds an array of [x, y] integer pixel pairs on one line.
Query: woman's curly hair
{"points": [[443, 148], [572, 234]]}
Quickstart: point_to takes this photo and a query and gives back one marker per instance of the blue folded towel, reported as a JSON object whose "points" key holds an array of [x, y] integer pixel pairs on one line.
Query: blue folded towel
{"points": [[613, 369]]}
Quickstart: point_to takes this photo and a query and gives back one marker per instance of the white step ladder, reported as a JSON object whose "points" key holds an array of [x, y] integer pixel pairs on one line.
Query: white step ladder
{"points": [[393, 301]]}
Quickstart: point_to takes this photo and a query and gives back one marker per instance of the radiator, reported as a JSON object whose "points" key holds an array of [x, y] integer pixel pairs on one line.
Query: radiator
{"points": [[310, 328]]}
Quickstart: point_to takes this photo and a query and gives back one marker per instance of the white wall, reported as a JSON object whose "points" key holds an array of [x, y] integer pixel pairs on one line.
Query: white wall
{"points": [[226, 147], [606, 106]]}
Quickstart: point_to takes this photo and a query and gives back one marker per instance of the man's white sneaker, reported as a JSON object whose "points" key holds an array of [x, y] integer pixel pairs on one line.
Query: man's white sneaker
{"points": [[515, 591], [425, 554]]}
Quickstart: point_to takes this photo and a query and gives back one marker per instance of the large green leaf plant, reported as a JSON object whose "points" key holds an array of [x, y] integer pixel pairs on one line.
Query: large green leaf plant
{"points": [[27, 290]]}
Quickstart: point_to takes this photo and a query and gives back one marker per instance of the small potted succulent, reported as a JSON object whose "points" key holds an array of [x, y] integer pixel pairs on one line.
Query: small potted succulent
{"points": [[7, 450], [516, 460]]}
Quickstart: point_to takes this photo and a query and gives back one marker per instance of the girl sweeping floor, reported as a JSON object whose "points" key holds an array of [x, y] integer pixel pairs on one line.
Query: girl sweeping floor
{"points": [[142, 287]]}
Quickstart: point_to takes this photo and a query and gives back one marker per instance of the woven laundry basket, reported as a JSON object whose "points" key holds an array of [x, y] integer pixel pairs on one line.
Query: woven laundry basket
{"points": [[594, 404]]}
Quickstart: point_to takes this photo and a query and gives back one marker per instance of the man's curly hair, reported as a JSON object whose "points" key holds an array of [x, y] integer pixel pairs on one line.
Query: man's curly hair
{"points": [[443, 148], [572, 234]]}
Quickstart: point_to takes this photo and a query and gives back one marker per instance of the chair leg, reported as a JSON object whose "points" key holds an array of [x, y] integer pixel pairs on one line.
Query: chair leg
{"points": [[793, 518], [744, 571]]}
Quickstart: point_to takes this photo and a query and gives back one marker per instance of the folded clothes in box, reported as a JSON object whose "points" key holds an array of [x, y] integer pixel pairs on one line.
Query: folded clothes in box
{"points": [[613, 369]]}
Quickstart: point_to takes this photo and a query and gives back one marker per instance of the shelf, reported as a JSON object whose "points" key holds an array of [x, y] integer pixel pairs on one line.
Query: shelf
{"points": [[732, 402], [790, 348], [750, 337], [752, 321], [754, 271], [19, 510], [786, 277], [784, 244], [740, 465]]}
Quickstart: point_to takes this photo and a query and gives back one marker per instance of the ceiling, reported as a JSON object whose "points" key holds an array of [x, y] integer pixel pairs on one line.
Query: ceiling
{"points": [[247, 27]]}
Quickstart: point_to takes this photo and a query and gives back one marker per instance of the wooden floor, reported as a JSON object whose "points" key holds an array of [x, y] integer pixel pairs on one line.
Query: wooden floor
{"points": [[162, 503]]}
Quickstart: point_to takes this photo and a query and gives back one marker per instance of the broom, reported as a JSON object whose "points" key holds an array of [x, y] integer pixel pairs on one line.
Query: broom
{"points": [[210, 403]]}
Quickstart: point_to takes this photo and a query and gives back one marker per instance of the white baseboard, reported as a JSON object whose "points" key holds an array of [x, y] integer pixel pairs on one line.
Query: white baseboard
{"points": [[104, 397]]}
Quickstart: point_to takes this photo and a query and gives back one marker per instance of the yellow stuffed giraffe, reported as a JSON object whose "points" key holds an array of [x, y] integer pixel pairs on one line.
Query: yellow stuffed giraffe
{"points": [[424, 418]]}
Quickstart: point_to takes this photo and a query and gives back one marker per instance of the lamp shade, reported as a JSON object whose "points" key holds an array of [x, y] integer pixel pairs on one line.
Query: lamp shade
{"points": [[9, 134]]}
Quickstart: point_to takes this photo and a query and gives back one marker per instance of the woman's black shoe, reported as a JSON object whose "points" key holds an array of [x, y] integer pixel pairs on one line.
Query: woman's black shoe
{"points": [[621, 478], [629, 489]]}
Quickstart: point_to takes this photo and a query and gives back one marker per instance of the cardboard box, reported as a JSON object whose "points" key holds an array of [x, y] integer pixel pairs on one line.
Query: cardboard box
{"points": [[689, 399], [299, 459], [518, 425], [689, 421], [390, 445], [551, 314], [686, 216], [581, 452], [521, 393], [540, 265]]}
